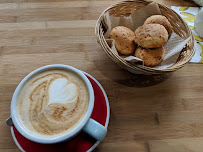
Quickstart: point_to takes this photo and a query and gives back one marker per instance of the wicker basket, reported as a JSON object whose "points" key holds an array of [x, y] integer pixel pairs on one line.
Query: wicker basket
{"points": [[179, 26]]}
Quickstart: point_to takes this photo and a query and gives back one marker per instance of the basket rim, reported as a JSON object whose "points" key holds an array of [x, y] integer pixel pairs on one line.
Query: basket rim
{"points": [[142, 67]]}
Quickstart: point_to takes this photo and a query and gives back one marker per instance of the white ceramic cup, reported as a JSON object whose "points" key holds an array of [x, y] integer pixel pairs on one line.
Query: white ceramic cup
{"points": [[199, 22], [87, 124]]}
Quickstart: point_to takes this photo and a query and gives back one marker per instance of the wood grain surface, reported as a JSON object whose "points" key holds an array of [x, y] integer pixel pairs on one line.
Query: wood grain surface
{"points": [[162, 113]]}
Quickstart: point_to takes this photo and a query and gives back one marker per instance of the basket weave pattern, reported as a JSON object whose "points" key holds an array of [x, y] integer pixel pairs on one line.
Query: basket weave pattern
{"points": [[179, 26]]}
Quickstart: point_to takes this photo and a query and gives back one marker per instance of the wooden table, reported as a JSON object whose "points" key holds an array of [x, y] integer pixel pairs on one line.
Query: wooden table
{"points": [[148, 114]]}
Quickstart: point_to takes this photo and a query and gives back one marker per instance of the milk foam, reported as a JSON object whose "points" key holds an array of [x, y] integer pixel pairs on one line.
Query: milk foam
{"points": [[62, 91], [52, 103]]}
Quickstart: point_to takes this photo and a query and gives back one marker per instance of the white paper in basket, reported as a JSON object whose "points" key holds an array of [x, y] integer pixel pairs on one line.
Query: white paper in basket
{"points": [[172, 48]]}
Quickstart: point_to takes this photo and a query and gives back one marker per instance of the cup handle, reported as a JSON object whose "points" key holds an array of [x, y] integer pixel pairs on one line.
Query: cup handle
{"points": [[95, 129]]}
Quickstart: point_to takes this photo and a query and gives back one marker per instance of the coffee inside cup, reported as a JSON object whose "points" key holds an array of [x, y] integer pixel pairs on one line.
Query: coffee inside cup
{"points": [[52, 103]]}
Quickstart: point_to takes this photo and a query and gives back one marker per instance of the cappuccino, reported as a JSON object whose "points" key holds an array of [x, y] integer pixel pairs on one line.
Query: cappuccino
{"points": [[52, 103]]}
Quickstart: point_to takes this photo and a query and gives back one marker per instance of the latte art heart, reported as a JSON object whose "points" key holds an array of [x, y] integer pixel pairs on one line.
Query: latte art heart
{"points": [[53, 102], [62, 91]]}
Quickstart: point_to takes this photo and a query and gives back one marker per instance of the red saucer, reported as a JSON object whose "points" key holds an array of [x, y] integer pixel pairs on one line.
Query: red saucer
{"points": [[80, 143]]}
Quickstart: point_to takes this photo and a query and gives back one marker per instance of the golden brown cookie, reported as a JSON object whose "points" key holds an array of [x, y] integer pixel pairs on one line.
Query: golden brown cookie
{"points": [[151, 57], [151, 35], [124, 39], [160, 19]]}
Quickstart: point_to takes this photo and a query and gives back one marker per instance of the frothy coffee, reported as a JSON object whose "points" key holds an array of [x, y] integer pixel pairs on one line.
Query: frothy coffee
{"points": [[52, 103]]}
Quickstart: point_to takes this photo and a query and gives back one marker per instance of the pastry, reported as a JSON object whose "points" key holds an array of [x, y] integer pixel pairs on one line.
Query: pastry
{"points": [[151, 57], [160, 19], [151, 35], [124, 39]]}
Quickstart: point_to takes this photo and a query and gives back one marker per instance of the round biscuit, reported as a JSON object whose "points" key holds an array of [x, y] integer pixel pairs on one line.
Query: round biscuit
{"points": [[151, 35], [160, 19], [151, 57], [124, 39]]}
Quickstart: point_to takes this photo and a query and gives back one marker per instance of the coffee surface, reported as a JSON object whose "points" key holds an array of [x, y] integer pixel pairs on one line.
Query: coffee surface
{"points": [[52, 103]]}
